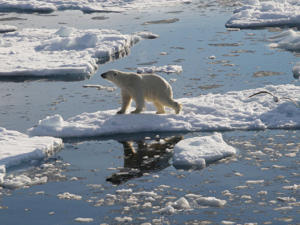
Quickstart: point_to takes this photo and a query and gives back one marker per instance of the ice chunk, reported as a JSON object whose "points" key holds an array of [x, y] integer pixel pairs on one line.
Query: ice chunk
{"points": [[198, 151], [289, 40], [69, 196], [211, 112], [16, 147], [211, 201], [255, 14], [13, 182], [67, 53], [164, 69], [181, 203], [83, 220], [7, 28]]}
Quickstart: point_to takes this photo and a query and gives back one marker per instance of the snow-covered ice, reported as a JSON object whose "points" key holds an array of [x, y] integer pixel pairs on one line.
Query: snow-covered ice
{"points": [[255, 14], [164, 69], [66, 52], [7, 28], [196, 152], [212, 112], [288, 40], [16, 148], [48, 6]]}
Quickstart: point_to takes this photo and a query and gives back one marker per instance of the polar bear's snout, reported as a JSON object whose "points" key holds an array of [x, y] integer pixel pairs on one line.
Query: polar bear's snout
{"points": [[104, 75]]}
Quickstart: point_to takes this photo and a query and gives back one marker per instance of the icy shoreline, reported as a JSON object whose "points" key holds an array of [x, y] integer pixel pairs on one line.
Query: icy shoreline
{"points": [[212, 112]]}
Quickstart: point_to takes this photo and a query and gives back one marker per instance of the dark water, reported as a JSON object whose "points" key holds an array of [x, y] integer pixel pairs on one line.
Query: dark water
{"points": [[96, 168]]}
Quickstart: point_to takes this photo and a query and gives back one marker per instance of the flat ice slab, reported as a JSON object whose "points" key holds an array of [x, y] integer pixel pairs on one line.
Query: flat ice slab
{"points": [[255, 14], [16, 147], [197, 152], [48, 6], [66, 53], [211, 112]]}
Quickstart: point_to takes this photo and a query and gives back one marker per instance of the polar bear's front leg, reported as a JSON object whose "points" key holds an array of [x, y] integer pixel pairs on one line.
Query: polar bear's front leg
{"points": [[140, 103], [126, 100]]}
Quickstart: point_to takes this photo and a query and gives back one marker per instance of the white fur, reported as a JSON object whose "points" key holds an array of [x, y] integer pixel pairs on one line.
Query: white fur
{"points": [[141, 88]]}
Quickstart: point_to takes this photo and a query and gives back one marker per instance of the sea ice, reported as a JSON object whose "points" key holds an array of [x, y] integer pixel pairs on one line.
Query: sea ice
{"points": [[198, 151], [16, 147], [48, 6], [69, 196], [7, 28], [212, 112], [255, 14], [67, 53], [288, 40], [164, 69]]}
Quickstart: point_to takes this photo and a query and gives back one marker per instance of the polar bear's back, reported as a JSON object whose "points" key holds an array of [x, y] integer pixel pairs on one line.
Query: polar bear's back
{"points": [[154, 85]]}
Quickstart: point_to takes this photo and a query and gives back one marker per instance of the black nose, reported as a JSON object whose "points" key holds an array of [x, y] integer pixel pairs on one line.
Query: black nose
{"points": [[103, 75]]}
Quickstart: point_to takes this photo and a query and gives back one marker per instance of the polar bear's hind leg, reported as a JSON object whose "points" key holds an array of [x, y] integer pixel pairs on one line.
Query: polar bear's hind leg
{"points": [[159, 107]]}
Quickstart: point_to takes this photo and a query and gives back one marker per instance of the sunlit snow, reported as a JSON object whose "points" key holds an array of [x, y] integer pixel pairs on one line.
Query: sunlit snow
{"points": [[212, 112]]}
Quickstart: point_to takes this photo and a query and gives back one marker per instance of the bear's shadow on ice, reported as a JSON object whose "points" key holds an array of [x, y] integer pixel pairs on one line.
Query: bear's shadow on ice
{"points": [[144, 156]]}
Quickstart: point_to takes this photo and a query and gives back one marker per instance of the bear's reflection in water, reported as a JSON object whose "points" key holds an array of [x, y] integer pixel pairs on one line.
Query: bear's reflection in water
{"points": [[144, 156]]}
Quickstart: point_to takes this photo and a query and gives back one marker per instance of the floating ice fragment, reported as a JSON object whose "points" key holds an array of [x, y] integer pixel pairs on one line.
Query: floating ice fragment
{"points": [[211, 201], [124, 219], [181, 203], [100, 87], [69, 196], [20, 181], [124, 191], [83, 220], [198, 151], [167, 210], [255, 181]]}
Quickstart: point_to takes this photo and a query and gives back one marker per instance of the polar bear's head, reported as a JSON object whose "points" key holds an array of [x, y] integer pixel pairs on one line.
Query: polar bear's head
{"points": [[115, 76]]}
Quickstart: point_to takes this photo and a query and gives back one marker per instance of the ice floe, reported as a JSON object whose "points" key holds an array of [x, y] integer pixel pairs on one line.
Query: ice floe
{"points": [[288, 40], [48, 6], [67, 53], [7, 28], [196, 152], [212, 112], [16, 148], [255, 14], [164, 69]]}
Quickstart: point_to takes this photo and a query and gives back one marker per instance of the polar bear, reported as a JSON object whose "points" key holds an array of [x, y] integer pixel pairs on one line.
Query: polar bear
{"points": [[141, 88]]}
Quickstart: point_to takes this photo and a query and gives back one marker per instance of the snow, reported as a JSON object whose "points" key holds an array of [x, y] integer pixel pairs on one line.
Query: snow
{"points": [[66, 52], [288, 40], [198, 151], [7, 28], [16, 148], [212, 112], [164, 69], [48, 6], [255, 14]]}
